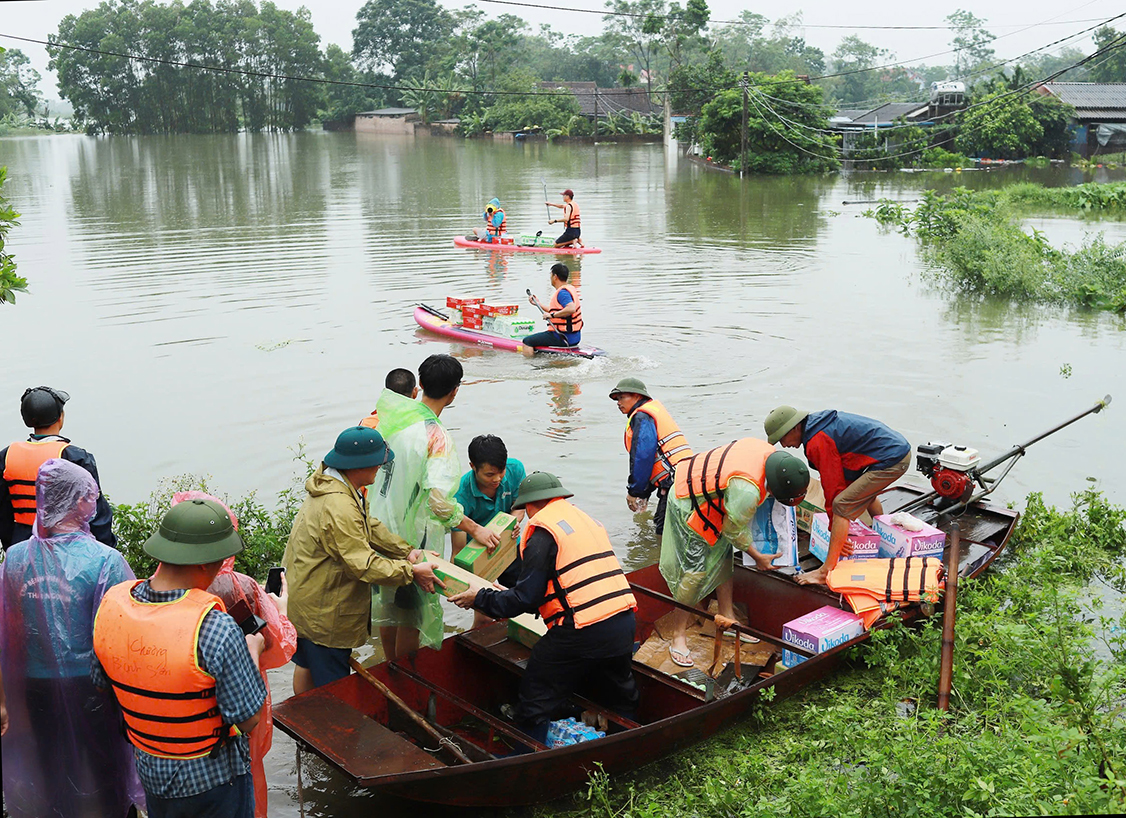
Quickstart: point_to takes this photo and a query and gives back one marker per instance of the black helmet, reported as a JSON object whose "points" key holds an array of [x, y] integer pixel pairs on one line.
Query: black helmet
{"points": [[41, 406]]}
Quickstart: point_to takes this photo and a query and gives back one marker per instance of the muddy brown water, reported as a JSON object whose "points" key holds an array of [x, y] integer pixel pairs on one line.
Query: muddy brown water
{"points": [[212, 302]]}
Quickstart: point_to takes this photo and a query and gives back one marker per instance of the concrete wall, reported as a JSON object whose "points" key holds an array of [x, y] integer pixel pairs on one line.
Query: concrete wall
{"points": [[385, 124]]}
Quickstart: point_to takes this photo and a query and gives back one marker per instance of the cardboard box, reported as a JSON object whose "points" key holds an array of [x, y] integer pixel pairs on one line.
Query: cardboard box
{"points": [[520, 328], [456, 579], [821, 630], [501, 309], [476, 559], [865, 541], [455, 302], [526, 629], [791, 659], [813, 503], [899, 542]]}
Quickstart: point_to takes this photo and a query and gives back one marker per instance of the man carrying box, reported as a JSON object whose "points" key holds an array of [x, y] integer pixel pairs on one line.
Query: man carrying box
{"points": [[857, 458], [488, 488], [569, 574], [714, 499], [655, 445]]}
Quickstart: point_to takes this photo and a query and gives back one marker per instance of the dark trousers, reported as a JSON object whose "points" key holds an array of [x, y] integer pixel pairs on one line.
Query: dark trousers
{"points": [[547, 338], [558, 669], [662, 505], [235, 799], [82, 775]]}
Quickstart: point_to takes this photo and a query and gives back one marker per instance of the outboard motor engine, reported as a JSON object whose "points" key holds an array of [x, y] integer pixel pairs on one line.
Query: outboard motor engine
{"points": [[950, 468]]}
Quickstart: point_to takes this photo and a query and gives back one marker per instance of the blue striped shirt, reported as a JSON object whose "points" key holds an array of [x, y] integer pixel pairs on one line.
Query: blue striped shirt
{"points": [[239, 693]]}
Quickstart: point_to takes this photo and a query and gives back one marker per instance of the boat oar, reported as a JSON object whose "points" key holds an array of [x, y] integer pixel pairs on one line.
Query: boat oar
{"points": [[435, 312], [443, 741], [946, 664], [545, 201]]}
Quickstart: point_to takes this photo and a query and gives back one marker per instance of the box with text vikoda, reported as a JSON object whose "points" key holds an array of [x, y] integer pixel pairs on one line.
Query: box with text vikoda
{"points": [[821, 630], [476, 559], [899, 542], [865, 541]]}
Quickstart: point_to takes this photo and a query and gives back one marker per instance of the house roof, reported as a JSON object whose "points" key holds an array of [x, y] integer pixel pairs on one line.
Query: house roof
{"points": [[890, 111], [610, 100], [1091, 100], [390, 112]]}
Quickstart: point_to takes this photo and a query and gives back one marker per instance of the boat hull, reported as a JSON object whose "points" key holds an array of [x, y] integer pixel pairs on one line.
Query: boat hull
{"points": [[462, 241]]}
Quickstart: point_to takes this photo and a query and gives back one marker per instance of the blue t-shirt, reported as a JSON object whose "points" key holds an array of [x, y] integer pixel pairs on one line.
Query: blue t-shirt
{"points": [[479, 508]]}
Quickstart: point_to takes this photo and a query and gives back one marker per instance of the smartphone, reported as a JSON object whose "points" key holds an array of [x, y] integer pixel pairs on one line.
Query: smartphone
{"points": [[247, 621], [273, 580]]}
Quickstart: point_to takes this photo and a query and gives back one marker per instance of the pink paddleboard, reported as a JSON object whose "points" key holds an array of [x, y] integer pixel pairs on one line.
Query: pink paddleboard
{"points": [[462, 241], [427, 320]]}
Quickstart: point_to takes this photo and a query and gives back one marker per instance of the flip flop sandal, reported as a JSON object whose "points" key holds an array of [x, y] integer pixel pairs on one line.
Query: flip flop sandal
{"points": [[746, 638], [681, 658]]}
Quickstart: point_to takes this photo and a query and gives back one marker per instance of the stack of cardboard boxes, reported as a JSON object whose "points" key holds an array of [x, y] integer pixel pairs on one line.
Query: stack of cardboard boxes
{"points": [[896, 541], [865, 542], [498, 319]]}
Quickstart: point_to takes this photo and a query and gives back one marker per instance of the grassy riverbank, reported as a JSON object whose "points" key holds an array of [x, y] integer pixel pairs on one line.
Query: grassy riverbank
{"points": [[977, 244], [1035, 725]]}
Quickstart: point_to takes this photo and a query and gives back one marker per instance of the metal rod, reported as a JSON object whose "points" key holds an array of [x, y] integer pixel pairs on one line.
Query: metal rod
{"points": [[992, 464], [763, 636], [946, 665], [409, 711]]}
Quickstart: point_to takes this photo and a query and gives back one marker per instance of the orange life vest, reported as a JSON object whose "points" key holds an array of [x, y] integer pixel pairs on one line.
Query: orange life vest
{"points": [[21, 468], [569, 323], [150, 652], [703, 478], [587, 584], [573, 219], [903, 579], [493, 229], [371, 421], [672, 447]]}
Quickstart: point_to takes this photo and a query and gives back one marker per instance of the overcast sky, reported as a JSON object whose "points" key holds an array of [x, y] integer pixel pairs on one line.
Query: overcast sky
{"points": [[1020, 25]]}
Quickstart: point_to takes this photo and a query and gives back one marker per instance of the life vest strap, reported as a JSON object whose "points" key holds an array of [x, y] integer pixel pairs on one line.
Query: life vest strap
{"points": [[589, 580], [596, 601], [584, 560], [214, 711], [209, 693]]}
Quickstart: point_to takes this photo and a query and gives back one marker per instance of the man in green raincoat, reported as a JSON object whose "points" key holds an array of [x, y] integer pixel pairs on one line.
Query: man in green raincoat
{"points": [[414, 498]]}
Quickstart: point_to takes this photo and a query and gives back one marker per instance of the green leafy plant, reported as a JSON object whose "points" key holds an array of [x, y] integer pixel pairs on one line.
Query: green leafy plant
{"points": [[10, 283]]}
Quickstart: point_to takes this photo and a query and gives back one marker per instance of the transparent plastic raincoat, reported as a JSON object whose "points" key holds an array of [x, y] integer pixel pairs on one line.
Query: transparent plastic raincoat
{"points": [[65, 753], [281, 642], [413, 495], [691, 567]]}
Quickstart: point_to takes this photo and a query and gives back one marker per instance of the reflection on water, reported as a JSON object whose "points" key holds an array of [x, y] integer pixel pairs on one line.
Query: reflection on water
{"points": [[211, 301]]}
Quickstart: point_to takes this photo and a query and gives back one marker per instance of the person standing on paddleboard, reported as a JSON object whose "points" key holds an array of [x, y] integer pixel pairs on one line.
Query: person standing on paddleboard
{"points": [[564, 314], [570, 221]]}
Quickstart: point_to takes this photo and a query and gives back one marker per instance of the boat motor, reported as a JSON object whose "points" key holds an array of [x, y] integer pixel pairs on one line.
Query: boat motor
{"points": [[949, 468], [957, 475]]}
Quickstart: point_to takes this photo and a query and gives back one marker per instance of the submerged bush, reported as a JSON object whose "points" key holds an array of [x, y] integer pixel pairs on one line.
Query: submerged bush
{"points": [[978, 245]]}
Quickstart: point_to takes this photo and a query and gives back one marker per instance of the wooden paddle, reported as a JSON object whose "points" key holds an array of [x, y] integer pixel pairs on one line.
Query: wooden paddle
{"points": [[443, 741]]}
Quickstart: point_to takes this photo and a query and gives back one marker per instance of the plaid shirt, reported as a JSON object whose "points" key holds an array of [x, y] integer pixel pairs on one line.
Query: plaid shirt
{"points": [[239, 693]]}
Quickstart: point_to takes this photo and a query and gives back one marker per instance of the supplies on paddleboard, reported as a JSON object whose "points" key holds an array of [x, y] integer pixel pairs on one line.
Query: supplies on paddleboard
{"points": [[565, 732]]}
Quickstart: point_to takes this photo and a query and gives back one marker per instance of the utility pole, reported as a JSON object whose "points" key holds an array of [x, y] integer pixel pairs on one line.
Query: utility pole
{"points": [[596, 111], [745, 84]]}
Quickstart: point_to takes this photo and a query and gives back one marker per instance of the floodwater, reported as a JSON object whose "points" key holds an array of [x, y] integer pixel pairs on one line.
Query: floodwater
{"points": [[211, 303]]}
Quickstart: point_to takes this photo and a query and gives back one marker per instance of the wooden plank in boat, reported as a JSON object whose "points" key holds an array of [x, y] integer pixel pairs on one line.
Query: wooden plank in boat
{"points": [[346, 738]]}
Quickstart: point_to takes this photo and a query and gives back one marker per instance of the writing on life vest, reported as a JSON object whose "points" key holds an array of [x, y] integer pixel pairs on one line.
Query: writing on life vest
{"points": [[157, 657]]}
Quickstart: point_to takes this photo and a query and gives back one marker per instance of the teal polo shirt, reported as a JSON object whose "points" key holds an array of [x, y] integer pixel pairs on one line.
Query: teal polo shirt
{"points": [[479, 508]]}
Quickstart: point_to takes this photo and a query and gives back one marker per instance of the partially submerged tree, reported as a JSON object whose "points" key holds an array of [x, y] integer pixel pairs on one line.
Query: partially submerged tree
{"points": [[10, 283]]}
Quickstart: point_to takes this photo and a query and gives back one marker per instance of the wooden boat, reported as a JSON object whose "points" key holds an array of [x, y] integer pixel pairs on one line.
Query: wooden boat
{"points": [[461, 688]]}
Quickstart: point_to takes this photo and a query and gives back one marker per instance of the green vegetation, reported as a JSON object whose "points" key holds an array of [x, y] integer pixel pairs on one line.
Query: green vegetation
{"points": [[10, 283], [1035, 725], [977, 244], [795, 145], [264, 531]]}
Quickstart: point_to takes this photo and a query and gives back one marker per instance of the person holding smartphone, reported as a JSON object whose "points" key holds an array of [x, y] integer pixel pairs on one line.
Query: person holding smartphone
{"points": [[244, 597]]}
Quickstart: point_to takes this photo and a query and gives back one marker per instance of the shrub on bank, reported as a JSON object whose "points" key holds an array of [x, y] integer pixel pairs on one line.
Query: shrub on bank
{"points": [[1035, 724]]}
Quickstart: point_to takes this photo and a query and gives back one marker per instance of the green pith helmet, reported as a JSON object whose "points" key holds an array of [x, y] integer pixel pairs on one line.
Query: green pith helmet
{"points": [[539, 486], [782, 420], [359, 447], [787, 478], [634, 385], [195, 532]]}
